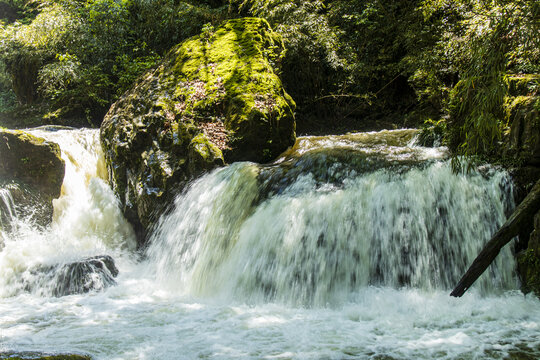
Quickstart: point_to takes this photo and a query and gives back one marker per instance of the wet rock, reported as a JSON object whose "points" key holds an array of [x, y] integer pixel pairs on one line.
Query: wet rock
{"points": [[215, 98], [31, 160], [529, 261], [32, 169], [27, 203], [91, 274], [27, 355]]}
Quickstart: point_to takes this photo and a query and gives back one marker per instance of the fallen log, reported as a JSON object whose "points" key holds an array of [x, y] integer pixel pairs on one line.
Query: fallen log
{"points": [[522, 215]]}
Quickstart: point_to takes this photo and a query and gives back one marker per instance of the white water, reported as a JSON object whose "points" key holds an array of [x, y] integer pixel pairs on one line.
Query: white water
{"points": [[309, 259]]}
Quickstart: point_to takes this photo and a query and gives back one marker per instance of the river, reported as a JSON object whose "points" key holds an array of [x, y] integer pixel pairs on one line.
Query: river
{"points": [[344, 248]]}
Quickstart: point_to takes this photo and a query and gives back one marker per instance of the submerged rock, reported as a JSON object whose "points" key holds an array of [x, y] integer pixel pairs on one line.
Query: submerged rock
{"points": [[27, 355], [215, 98], [32, 169], [91, 274]]}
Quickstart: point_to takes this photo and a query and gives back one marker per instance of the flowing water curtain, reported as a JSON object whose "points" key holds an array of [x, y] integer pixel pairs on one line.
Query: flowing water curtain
{"points": [[317, 242]]}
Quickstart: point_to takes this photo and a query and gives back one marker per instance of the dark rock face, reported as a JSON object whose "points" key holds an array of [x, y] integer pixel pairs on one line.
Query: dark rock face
{"points": [[522, 110], [92, 274], [32, 170], [529, 261], [31, 160], [214, 98], [26, 203]]}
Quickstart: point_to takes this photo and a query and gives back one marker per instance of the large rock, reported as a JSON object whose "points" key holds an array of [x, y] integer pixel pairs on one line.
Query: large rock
{"points": [[32, 169], [31, 160], [215, 98]]}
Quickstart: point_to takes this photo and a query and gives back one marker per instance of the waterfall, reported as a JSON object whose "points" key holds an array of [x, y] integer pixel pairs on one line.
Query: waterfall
{"points": [[86, 219], [346, 247], [329, 219]]}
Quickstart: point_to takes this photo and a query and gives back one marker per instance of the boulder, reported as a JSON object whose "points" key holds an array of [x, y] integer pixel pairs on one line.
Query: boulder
{"points": [[31, 160], [215, 98], [79, 277], [32, 170]]}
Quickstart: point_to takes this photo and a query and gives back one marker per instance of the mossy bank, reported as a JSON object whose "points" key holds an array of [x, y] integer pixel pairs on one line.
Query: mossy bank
{"points": [[215, 98]]}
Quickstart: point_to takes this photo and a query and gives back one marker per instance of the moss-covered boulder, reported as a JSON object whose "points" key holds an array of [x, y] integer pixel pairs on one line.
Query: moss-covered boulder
{"points": [[215, 98], [32, 169]]}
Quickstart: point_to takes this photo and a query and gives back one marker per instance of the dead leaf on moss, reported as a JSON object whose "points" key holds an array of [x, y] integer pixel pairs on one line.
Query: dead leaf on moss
{"points": [[216, 133]]}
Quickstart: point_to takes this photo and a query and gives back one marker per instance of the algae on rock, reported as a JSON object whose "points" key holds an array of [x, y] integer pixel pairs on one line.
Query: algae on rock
{"points": [[215, 98]]}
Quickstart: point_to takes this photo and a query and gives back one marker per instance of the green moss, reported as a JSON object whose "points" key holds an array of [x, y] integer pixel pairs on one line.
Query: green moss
{"points": [[514, 104], [522, 115], [205, 148], [27, 137], [230, 75], [523, 84], [32, 160]]}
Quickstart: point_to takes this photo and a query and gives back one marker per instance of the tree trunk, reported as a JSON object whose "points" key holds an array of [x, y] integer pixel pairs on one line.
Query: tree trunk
{"points": [[522, 215]]}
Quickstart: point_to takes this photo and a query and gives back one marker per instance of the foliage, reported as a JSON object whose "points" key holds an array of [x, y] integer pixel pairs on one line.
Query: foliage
{"points": [[312, 67], [484, 42], [364, 60], [79, 56], [432, 133], [7, 97], [348, 58], [377, 36]]}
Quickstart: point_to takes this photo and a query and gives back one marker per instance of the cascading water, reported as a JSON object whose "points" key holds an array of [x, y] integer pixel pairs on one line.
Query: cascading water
{"points": [[87, 221], [329, 225], [345, 248], [7, 213]]}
